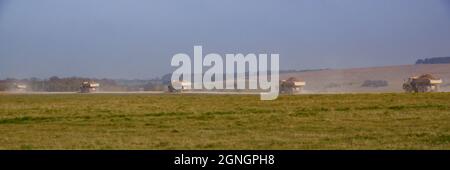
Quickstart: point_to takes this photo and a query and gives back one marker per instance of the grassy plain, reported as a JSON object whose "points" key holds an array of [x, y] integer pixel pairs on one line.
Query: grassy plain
{"points": [[194, 121]]}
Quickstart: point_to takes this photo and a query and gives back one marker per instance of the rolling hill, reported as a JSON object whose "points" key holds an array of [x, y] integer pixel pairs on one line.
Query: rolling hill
{"points": [[351, 80]]}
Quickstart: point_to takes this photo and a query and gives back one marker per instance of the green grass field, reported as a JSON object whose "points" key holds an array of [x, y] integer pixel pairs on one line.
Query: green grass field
{"points": [[190, 121]]}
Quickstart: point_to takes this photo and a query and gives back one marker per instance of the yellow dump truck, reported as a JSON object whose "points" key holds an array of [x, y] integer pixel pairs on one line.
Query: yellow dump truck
{"points": [[291, 86], [179, 86], [421, 84], [89, 87], [18, 87]]}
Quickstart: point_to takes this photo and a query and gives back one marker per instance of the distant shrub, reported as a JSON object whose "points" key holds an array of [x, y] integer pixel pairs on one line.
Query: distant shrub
{"points": [[332, 85], [375, 83]]}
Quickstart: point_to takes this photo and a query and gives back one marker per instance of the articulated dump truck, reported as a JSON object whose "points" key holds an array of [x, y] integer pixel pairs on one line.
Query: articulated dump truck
{"points": [[178, 86], [421, 84], [291, 86], [89, 87]]}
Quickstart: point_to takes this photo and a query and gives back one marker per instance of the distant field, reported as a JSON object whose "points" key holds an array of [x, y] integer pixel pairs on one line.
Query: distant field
{"points": [[199, 121]]}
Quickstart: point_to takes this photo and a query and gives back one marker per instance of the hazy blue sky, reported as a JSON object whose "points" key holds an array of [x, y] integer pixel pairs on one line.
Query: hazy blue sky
{"points": [[137, 38]]}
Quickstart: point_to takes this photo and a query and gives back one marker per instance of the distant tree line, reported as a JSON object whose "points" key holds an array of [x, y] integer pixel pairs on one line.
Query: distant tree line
{"points": [[435, 60], [72, 84]]}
